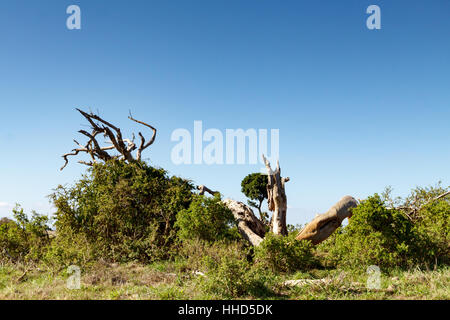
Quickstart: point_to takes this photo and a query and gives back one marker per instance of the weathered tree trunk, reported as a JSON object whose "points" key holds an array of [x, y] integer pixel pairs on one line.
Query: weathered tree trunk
{"points": [[253, 229], [276, 199], [249, 226], [322, 226]]}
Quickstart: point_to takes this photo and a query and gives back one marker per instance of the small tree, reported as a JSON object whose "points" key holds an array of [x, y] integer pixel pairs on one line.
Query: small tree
{"points": [[254, 186]]}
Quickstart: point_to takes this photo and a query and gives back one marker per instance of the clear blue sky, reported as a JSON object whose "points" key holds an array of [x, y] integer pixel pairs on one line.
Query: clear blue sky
{"points": [[357, 109]]}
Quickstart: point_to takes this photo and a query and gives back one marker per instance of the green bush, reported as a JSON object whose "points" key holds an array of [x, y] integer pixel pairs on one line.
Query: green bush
{"points": [[285, 254], [433, 221], [228, 267], [122, 212], [69, 249], [5, 221], [24, 239], [207, 218], [377, 235]]}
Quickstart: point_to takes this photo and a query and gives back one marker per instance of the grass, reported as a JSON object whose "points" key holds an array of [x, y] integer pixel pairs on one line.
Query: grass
{"points": [[171, 280]]}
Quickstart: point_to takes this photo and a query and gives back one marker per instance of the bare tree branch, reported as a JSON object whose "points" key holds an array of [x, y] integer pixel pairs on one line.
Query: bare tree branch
{"points": [[124, 146], [143, 145], [204, 189], [413, 208]]}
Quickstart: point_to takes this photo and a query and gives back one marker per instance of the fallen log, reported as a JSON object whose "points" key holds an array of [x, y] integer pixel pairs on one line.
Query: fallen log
{"points": [[322, 226], [318, 230], [249, 226]]}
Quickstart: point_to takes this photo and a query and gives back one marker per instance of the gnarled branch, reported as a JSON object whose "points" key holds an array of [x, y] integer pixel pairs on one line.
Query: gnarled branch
{"points": [[411, 211], [123, 146], [143, 145]]}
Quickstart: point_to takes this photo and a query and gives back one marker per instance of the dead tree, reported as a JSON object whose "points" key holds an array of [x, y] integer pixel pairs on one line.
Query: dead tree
{"points": [[322, 226], [318, 230], [250, 227], [253, 230], [276, 197], [125, 147]]}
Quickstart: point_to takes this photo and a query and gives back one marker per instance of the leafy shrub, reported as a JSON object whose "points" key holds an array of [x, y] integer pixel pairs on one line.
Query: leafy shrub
{"points": [[229, 271], [123, 212], [285, 254], [24, 239], [432, 220], [377, 235], [206, 219], [70, 249], [435, 223]]}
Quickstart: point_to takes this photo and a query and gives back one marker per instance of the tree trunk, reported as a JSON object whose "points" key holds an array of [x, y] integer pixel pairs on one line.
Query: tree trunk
{"points": [[322, 226], [276, 199], [249, 226]]}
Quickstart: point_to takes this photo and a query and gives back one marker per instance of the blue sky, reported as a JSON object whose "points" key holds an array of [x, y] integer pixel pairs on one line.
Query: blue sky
{"points": [[357, 109]]}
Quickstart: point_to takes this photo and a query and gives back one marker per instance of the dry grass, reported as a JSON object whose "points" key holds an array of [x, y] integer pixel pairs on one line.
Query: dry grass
{"points": [[168, 281], [101, 281]]}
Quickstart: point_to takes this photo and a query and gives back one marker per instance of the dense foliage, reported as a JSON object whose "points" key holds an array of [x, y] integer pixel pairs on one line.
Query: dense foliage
{"points": [[285, 254], [433, 220], [387, 237], [206, 219], [24, 239], [227, 269], [254, 186], [123, 211]]}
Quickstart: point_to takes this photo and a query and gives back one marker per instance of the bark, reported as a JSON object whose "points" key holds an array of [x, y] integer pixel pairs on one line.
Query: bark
{"points": [[322, 226], [204, 189], [277, 198], [249, 226]]}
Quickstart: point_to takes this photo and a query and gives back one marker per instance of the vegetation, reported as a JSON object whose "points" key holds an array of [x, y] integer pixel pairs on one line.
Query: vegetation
{"points": [[168, 280], [23, 240], [206, 219], [378, 236], [138, 233], [254, 186], [285, 254], [122, 212]]}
